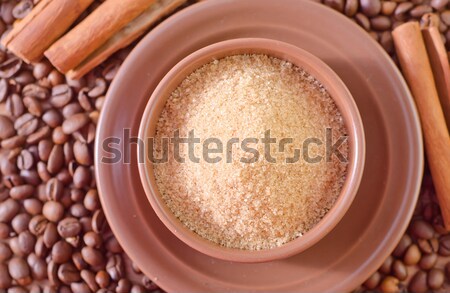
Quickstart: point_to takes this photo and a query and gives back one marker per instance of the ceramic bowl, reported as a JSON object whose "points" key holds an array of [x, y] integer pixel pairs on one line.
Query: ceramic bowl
{"points": [[299, 57]]}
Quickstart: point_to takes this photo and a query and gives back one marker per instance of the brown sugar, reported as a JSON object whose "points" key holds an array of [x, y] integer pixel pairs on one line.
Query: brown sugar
{"points": [[262, 204]]}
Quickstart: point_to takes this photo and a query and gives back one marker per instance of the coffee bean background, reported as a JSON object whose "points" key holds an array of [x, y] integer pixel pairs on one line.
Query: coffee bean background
{"points": [[53, 234]]}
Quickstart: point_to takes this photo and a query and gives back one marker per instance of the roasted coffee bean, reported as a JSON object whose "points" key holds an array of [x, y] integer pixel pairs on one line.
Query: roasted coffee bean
{"points": [[92, 239], [13, 142], [100, 83], [444, 245], [78, 210], [99, 223], [61, 252], [436, 278], [42, 172], [61, 95], [99, 103], [14, 105], [8, 210], [40, 249], [50, 236], [37, 225], [91, 200], [335, 4], [55, 77], [10, 67], [54, 189], [4, 231], [52, 273], [37, 266], [26, 242], [36, 91], [102, 279], [33, 206], [21, 192], [6, 12], [66, 200], [19, 271], [82, 153], [71, 109], [77, 195], [26, 124], [92, 256], [86, 223], [53, 118], [137, 289], [75, 122], [439, 4], [12, 180], [85, 134], [78, 261], [69, 227], [68, 273], [115, 267], [89, 278], [418, 283], [41, 69], [68, 155], [24, 77], [135, 268], [79, 287], [445, 17], [387, 265], [40, 134], [412, 255], [7, 167], [370, 7], [31, 177], [123, 286], [380, 23], [399, 270], [402, 9], [428, 246], [113, 65], [4, 89], [5, 278], [84, 100], [5, 252], [6, 127], [44, 149], [82, 177], [22, 9], [363, 21], [53, 211], [56, 159], [388, 7], [420, 10], [33, 106], [58, 136], [15, 247], [20, 222], [64, 176]]}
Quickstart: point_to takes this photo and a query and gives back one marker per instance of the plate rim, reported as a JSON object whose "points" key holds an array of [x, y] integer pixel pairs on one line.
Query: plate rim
{"points": [[413, 189]]}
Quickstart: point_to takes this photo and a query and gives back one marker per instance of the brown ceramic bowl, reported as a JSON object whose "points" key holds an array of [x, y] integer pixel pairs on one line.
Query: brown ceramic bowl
{"points": [[335, 87]]}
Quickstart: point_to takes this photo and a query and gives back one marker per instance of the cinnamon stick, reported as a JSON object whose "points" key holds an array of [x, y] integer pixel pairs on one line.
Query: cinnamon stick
{"points": [[416, 68], [126, 35], [42, 26], [111, 16], [440, 66]]}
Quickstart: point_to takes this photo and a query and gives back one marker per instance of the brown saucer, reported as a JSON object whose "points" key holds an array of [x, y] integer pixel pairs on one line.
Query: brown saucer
{"points": [[394, 165]]}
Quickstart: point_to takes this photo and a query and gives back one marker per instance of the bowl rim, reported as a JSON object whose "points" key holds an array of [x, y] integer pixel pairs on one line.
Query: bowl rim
{"points": [[314, 66]]}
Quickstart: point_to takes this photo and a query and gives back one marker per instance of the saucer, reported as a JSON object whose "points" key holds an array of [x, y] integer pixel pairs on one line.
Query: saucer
{"points": [[389, 189]]}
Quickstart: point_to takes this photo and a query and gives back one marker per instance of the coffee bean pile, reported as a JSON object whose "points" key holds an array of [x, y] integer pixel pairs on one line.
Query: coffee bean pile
{"points": [[421, 261], [379, 17], [53, 234]]}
